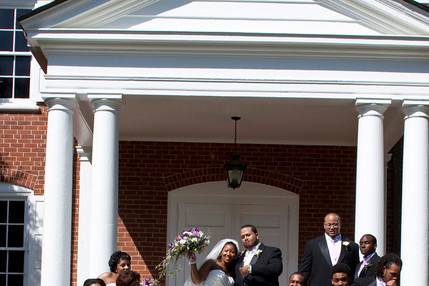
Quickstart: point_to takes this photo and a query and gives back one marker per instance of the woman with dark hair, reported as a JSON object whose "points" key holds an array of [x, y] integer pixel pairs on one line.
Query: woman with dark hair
{"points": [[119, 262], [128, 278], [94, 282]]}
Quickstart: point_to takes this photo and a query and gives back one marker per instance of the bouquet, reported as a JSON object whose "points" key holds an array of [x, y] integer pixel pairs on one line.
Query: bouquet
{"points": [[149, 282], [191, 241]]}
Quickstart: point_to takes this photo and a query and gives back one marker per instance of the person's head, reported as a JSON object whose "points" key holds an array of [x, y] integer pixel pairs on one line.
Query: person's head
{"points": [[94, 282], [119, 261], [128, 278], [296, 279], [332, 224], [340, 274], [249, 235], [367, 244], [228, 253], [388, 267]]}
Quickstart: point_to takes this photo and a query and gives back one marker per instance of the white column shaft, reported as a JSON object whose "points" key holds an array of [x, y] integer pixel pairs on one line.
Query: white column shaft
{"points": [[104, 197], [414, 226], [85, 180], [58, 194], [370, 198]]}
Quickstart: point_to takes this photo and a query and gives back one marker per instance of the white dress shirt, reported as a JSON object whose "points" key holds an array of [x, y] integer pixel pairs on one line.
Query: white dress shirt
{"points": [[380, 282], [248, 255], [334, 247]]}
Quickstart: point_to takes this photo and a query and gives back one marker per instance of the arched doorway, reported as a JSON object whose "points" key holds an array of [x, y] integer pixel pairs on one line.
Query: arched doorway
{"points": [[220, 212]]}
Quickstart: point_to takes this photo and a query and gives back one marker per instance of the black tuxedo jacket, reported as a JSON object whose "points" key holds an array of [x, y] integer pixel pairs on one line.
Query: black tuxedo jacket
{"points": [[370, 269], [366, 281], [316, 263], [266, 268]]}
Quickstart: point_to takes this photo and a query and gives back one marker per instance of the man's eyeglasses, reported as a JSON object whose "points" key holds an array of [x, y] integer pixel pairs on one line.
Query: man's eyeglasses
{"points": [[333, 225]]}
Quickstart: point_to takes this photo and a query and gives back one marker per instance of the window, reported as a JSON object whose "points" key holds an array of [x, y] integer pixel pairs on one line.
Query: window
{"points": [[15, 57], [12, 250]]}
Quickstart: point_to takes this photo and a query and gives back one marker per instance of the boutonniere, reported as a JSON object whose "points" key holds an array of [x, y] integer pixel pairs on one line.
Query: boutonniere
{"points": [[258, 252], [346, 245]]}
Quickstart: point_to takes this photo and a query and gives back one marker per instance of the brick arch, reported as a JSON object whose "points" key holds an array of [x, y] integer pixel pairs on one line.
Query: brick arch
{"points": [[255, 175], [17, 177]]}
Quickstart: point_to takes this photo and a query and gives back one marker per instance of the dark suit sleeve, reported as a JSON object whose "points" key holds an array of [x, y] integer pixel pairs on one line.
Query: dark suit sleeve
{"points": [[355, 257], [307, 261], [273, 267]]}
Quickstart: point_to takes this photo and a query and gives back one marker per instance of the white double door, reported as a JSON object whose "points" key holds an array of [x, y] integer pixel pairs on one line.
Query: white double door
{"points": [[221, 212]]}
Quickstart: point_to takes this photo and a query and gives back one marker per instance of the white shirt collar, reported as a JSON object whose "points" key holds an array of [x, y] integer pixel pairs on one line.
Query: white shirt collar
{"points": [[254, 248], [335, 239]]}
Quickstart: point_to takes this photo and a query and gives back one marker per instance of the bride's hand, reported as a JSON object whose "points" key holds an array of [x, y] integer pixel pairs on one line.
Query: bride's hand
{"points": [[192, 258]]}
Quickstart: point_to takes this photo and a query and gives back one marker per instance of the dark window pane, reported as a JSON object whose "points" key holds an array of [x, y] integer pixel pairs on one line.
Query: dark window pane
{"points": [[3, 258], [3, 211], [22, 87], [19, 13], [6, 68], [5, 87], [16, 211], [6, 40], [15, 237], [2, 236], [20, 42], [16, 261], [6, 18], [2, 279], [22, 66], [15, 280]]}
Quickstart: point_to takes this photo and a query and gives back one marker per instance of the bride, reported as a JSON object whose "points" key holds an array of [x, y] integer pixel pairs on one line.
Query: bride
{"points": [[218, 266]]}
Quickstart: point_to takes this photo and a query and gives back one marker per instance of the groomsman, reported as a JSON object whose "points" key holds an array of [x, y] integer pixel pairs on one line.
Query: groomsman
{"points": [[367, 267], [259, 264], [325, 251]]}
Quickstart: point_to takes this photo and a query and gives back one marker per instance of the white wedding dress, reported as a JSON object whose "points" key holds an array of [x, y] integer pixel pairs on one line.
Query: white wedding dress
{"points": [[217, 277]]}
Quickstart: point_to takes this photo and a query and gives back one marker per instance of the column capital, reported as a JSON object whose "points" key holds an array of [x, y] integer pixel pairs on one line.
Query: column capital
{"points": [[106, 102], [413, 108], [372, 107], [60, 103]]}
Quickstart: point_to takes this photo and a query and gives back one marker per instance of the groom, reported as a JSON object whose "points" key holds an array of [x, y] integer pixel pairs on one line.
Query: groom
{"points": [[258, 265]]}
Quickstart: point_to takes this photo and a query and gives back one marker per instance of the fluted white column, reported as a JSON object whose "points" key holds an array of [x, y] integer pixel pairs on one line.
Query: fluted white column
{"points": [[414, 225], [85, 181], [104, 195], [370, 198], [56, 247]]}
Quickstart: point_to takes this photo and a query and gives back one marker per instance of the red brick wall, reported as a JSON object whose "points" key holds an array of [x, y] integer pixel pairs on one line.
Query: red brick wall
{"points": [[323, 176], [22, 149]]}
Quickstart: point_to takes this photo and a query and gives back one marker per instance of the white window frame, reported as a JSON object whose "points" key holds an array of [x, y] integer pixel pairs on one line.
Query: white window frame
{"points": [[14, 192], [23, 104]]}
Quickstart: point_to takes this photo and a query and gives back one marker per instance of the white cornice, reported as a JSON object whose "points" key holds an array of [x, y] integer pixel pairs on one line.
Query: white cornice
{"points": [[74, 41]]}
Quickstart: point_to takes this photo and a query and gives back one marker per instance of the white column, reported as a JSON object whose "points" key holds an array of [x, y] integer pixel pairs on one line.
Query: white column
{"points": [[370, 198], [56, 245], [104, 195], [414, 225], [85, 180]]}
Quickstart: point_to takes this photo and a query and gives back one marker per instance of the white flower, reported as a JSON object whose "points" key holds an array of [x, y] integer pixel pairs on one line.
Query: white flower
{"points": [[258, 252], [346, 243]]}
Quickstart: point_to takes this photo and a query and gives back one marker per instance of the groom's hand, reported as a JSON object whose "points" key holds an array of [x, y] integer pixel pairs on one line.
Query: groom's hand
{"points": [[244, 270]]}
